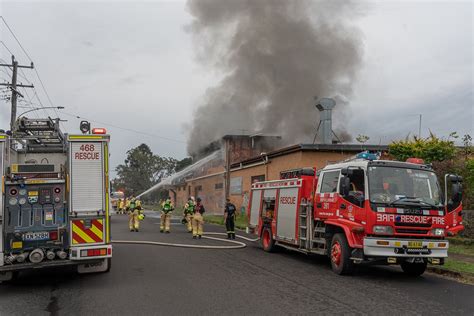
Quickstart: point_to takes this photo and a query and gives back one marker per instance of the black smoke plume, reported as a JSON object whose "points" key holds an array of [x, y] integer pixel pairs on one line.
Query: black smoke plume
{"points": [[274, 57]]}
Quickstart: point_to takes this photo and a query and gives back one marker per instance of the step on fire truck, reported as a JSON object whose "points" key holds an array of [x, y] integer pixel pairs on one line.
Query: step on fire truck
{"points": [[360, 210], [54, 208]]}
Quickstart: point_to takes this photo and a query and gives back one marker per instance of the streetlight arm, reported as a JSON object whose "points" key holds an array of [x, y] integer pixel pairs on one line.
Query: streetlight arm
{"points": [[42, 108]]}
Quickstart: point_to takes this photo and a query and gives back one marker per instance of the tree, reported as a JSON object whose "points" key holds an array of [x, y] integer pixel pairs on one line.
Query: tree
{"points": [[142, 169], [362, 138], [429, 149], [138, 173], [183, 163]]}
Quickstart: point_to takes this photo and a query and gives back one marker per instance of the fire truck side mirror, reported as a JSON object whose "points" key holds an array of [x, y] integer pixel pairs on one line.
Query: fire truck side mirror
{"points": [[345, 186], [346, 171], [454, 191]]}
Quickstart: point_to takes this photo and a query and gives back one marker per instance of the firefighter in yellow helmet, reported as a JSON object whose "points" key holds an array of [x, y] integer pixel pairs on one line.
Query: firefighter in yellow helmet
{"points": [[166, 208], [198, 220], [133, 214], [189, 213]]}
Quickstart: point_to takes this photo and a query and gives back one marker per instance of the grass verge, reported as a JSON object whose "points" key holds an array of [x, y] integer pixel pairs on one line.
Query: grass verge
{"points": [[240, 221], [459, 266]]}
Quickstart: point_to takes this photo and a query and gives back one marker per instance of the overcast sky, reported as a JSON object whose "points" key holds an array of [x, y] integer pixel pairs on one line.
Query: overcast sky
{"points": [[131, 64]]}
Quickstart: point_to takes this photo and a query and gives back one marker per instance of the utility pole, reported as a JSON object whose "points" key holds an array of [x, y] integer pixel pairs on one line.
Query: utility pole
{"points": [[13, 87], [419, 127]]}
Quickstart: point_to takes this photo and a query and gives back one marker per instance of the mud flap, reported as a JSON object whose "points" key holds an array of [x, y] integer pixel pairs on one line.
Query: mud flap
{"points": [[6, 276], [95, 267]]}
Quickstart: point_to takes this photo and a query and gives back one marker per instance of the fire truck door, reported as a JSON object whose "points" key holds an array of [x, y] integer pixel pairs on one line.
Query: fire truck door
{"points": [[327, 203], [287, 211], [255, 206]]}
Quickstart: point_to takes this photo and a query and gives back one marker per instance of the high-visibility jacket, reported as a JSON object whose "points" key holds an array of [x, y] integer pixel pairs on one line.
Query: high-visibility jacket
{"points": [[167, 206], [189, 208]]}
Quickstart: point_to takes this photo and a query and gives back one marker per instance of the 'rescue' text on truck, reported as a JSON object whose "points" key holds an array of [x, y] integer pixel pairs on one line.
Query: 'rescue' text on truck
{"points": [[54, 207], [361, 210]]}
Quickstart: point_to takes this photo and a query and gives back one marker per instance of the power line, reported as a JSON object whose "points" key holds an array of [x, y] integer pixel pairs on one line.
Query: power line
{"points": [[16, 39], [31, 60], [124, 128]]}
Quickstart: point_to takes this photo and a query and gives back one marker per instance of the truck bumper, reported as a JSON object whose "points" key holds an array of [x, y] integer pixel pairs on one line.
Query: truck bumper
{"points": [[90, 252], [41, 265], [394, 247]]}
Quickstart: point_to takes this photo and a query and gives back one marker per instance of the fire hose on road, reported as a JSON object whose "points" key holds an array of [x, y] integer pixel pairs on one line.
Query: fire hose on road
{"points": [[235, 244]]}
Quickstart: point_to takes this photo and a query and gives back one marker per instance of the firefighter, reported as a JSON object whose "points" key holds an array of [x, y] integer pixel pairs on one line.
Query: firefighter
{"points": [[121, 206], [229, 219], [133, 214], [189, 213], [127, 205], [198, 220], [166, 208]]}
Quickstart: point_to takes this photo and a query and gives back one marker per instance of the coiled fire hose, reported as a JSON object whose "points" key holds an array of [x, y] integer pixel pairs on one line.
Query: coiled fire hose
{"points": [[235, 244]]}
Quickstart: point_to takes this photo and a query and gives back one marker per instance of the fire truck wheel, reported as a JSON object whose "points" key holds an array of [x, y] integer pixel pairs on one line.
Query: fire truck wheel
{"points": [[268, 243], [340, 255], [413, 268]]}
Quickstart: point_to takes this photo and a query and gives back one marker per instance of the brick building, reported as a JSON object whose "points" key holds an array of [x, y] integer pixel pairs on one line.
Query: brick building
{"points": [[249, 159], [207, 177]]}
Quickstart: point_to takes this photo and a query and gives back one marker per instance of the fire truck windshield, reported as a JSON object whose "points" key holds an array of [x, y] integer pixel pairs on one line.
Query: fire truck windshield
{"points": [[403, 186]]}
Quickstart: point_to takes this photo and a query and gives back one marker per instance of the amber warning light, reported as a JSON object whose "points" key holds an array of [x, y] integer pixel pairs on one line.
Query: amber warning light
{"points": [[99, 131]]}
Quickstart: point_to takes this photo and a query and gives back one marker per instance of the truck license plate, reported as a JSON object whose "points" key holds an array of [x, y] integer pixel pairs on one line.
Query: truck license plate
{"points": [[36, 236], [415, 244]]}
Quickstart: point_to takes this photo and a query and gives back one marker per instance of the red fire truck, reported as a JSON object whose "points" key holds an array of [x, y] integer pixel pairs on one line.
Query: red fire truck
{"points": [[360, 210]]}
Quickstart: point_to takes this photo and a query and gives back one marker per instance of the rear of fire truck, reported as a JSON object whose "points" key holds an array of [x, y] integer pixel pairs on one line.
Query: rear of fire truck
{"points": [[54, 203]]}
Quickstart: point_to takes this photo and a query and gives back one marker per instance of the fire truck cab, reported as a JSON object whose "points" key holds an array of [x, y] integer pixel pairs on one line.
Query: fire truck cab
{"points": [[361, 210]]}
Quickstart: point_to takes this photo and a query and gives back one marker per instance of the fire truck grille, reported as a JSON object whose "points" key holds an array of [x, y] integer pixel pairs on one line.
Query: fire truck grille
{"points": [[413, 224], [411, 231]]}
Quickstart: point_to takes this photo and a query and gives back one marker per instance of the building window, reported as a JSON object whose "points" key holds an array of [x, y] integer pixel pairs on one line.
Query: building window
{"points": [[330, 180], [198, 188], [258, 178], [219, 186], [236, 186]]}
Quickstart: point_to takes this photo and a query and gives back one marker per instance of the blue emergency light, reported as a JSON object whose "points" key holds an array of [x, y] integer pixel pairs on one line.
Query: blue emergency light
{"points": [[367, 156]]}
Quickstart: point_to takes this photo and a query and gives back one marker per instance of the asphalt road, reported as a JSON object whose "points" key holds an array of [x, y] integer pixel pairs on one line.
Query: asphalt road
{"points": [[154, 280]]}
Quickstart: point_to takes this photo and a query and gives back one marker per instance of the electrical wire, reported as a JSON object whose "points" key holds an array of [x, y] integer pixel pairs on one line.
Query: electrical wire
{"points": [[124, 128], [35, 68]]}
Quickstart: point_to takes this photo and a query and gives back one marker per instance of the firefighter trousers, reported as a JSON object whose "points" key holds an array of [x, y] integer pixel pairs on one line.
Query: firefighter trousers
{"points": [[189, 222], [230, 226], [198, 222], [165, 221], [133, 221]]}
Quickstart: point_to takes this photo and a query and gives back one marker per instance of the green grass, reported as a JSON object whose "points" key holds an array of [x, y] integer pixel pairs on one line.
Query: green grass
{"points": [[461, 249], [459, 266], [240, 221]]}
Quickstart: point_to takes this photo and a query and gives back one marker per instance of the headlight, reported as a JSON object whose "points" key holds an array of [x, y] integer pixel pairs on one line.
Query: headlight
{"points": [[437, 232], [383, 230]]}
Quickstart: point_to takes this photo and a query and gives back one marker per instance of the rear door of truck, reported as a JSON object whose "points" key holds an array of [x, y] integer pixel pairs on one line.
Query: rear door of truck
{"points": [[89, 193]]}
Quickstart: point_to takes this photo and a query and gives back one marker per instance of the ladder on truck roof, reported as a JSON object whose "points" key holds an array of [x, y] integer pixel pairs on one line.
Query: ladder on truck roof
{"points": [[41, 135]]}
